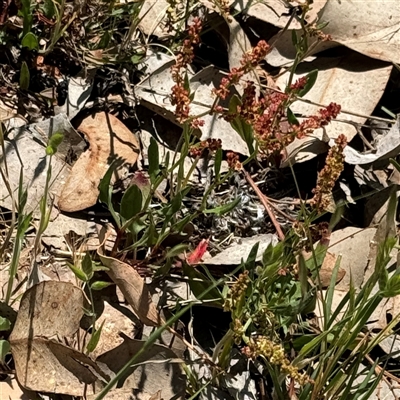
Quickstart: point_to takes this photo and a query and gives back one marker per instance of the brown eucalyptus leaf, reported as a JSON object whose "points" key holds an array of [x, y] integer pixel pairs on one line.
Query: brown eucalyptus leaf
{"points": [[49, 309], [376, 33], [134, 289], [156, 370], [108, 139], [45, 365]]}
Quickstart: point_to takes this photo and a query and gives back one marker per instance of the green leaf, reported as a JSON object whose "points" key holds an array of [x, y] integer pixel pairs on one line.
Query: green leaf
{"points": [[131, 203], [292, 118], [311, 79], [186, 83], [5, 324], [30, 41], [154, 159], [217, 162], [87, 266], [105, 190], [54, 141], [393, 286], [48, 9], [224, 208], [4, 350], [294, 38], [94, 340], [99, 285], [137, 58], [77, 272], [239, 125], [27, 16], [198, 284], [104, 41], [176, 250], [24, 77]]}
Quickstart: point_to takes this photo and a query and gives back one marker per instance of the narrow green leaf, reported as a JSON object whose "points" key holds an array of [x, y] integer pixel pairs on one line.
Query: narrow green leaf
{"points": [[224, 208], [176, 250], [239, 125], [311, 79], [392, 288], [198, 283], [104, 41], [4, 350], [294, 38], [78, 272], [131, 203], [87, 266], [250, 263], [99, 285], [105, 190], [24, 77], [291, 117], [154, 159], [217, 162], [94, 340], [30, 41], [303, 276], [48, 9], [331, 290]]}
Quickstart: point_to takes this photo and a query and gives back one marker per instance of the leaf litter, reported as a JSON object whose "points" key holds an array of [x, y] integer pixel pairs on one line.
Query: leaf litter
{"points": [[45, 344]]}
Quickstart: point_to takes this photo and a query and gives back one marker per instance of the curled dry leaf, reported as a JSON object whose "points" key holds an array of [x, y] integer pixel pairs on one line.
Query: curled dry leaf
{"points": [[48, 310], [133, 288], [109, 139]]}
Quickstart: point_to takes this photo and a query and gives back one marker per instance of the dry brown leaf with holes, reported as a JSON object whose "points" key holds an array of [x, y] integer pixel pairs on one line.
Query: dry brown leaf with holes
{"points": [[108, 139], [133, 288]]}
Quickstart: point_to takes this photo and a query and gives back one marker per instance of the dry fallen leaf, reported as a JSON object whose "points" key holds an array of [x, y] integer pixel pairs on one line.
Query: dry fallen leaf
{"points": [[45, 365], [48, 309], [387, 145], [157, 369], [25, 152], [276, 12], [52, 310], [234, 254], [151, 16], [325, 272], [109, 139], [155, 90], [133, 288], [374, 33], [353, 81]]}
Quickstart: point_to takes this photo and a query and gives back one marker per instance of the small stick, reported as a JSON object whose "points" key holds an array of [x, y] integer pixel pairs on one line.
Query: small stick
{"points": [[264, 202]]}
